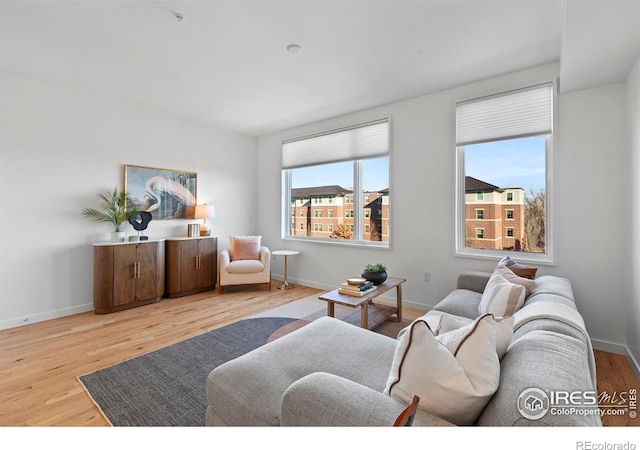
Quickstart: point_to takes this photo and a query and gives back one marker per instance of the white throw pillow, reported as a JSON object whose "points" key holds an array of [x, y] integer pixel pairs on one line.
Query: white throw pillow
{"points": [[513, 278], [449, 323], [454, 386], [501, 297], [453, 330]]}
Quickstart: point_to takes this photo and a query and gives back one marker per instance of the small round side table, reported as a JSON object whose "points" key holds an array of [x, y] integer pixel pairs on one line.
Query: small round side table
{"points": [[286, 254]]}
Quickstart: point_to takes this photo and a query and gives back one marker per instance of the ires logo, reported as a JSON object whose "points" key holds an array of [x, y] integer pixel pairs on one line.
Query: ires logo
{"points": [[534, 403]]}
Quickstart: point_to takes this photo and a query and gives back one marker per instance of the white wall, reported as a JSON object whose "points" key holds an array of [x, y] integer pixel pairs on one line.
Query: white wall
{"points": [[592, 156], [594, 230], [633, 309], [59, 148]]}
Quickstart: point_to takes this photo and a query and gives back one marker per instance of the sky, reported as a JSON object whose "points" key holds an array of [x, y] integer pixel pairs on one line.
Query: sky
{"points": [[506, 164], [375, 178], [521, 163]]}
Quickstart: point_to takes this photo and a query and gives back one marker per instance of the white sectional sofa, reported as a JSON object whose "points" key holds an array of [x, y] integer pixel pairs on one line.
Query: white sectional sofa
{"points": [[330, 373]]}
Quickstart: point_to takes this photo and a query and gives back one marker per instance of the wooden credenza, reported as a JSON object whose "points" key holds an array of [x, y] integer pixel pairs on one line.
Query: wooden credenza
{"points": [[192, 265], [127, 274]]}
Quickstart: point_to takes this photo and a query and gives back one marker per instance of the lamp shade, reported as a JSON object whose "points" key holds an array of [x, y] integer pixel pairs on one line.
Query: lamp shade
{"points": [[205, 212]]}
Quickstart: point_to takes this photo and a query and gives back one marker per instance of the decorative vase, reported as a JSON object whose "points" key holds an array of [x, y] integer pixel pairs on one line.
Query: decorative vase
{"points": [[117, 236], [375, 277]]}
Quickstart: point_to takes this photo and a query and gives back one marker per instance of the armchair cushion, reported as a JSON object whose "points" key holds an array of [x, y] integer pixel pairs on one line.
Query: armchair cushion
{"points": [[245, 266], [244, 247]]}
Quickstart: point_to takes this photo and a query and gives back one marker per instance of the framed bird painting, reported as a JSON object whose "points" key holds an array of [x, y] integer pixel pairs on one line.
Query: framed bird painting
{"points": [[165, 193]]}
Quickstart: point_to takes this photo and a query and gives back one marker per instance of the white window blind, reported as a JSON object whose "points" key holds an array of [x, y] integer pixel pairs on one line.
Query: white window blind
{"points": [[361, 141], [513, 114]]}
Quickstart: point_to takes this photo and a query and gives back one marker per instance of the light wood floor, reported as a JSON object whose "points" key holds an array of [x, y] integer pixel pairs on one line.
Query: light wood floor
{"points": [[40, 363]]}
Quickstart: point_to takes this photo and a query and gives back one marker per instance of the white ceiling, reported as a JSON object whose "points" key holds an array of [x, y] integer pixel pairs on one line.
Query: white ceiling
{"points": [[226, 63]]}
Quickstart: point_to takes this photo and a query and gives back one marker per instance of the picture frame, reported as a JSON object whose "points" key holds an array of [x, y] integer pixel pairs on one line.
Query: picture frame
{"points": [[165, 193]]}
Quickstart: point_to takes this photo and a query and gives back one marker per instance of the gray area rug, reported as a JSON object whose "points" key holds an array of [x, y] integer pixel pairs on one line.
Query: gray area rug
{"points": [[167, 387]]}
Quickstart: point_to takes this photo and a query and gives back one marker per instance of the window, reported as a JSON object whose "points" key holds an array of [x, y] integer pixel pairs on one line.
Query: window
{"points": [[479, 214], [349, 169], [504, 157]]}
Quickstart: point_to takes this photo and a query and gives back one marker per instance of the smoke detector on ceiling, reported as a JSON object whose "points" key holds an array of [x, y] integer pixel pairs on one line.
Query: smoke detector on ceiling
{"points": [[294, 48]]}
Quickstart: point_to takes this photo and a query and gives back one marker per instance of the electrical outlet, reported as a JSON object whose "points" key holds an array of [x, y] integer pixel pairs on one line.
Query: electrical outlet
{"points": [[427, 277]]}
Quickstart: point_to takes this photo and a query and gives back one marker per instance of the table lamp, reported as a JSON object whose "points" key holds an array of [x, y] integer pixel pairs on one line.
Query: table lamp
{"points": [[205, 212]]}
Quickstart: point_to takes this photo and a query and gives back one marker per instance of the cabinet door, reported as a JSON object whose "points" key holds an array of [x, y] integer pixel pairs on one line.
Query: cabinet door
{"points": [[147, 259], [124, 274], [188, 269], [206, 258]]}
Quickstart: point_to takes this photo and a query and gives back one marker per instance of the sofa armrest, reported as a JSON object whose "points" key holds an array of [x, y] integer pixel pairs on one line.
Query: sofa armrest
{"points": [[473, 281], [265, 256], [225, 259], [323, 399]]}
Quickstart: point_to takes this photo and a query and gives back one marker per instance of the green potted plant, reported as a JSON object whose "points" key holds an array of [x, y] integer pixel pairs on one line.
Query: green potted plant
{"points": [[116, 208], [377, 273]]}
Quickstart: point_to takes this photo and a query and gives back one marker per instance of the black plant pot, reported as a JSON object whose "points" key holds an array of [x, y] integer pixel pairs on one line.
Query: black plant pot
{"points": [[376, 277]]}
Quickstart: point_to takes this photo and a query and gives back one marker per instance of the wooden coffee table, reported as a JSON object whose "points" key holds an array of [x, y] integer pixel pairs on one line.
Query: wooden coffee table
{"points": [[371, 314]]}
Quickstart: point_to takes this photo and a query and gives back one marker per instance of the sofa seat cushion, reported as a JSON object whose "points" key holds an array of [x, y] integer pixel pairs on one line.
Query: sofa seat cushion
{"points": [[249, 389], [245, 266], [460, 302], [547, 361], [453, 385]]}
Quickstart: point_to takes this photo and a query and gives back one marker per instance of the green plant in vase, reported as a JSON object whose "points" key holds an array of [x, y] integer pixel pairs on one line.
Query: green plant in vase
{"points": [[377, 273], [116, 208]]}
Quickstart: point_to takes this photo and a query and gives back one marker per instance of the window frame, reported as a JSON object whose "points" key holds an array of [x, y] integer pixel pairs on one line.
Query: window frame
{"points": [[546, 258], [354, 200]]}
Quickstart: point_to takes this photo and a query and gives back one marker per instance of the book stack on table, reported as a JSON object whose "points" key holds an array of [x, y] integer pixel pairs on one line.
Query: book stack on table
{"points": [[356, 287]]}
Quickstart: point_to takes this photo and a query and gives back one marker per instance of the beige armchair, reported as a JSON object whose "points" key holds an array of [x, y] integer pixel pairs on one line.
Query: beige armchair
{"points": [[244, 262]]}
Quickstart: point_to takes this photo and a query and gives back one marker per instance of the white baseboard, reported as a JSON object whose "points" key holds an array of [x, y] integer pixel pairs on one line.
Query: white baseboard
{"points": [[26, 320], [618, 349]]}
